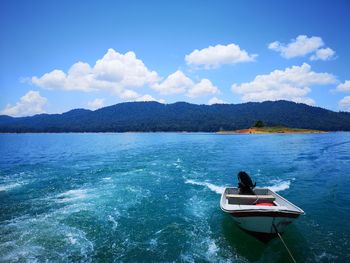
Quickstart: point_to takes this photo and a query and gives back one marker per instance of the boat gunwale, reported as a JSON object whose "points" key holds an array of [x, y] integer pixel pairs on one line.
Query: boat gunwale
{"points": [[254, 209], [261, 213]]}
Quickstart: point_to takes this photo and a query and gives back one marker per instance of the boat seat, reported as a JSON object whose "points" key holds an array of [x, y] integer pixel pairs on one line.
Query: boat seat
{"points": [[268, 198]]}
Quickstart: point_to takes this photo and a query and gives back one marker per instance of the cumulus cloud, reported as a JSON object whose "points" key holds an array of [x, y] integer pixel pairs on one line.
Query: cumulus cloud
{"points": [[96, 103], [202, 88], [323, 54], [31, 103], [344, 87], [344, 103], [179, 83], [129, 95], [216, 100], [302, 46], [114, 72], [214, 56], [175, 83], [290, 84]]}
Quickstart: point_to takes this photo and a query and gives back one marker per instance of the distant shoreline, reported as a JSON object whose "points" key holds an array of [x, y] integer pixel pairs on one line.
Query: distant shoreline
{"points": [[272, 130], [234, 132], [180, 117]]}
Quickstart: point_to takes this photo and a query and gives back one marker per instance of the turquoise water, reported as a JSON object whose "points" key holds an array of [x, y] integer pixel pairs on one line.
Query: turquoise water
{"points": [[155, 197]]}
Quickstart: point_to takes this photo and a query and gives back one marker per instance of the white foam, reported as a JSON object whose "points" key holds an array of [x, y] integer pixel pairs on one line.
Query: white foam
{"points": [[133, 189], [7, 187], [215, 188], [72, 195], [197, 207], [113, 221], [107, 178], [324, 256], [177, 165], [212, 248], [72, 240], [186, 258], [153, 243], [158, 232], [25, 253], [27, 232], [280, 186]]}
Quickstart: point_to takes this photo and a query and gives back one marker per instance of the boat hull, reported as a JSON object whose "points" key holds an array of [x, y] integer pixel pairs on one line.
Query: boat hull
{"points": [[260, 219], [266, 223]]}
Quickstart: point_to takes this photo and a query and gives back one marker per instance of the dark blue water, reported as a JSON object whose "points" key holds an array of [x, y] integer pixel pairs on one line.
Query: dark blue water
{"points": [[155, 197]]}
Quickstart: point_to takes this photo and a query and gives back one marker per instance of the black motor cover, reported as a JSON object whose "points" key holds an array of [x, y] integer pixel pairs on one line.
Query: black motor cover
{"points": [[245, 183]]}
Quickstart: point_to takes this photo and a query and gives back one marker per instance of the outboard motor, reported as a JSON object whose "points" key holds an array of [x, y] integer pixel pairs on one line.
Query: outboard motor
{"points": [[245, 184]]}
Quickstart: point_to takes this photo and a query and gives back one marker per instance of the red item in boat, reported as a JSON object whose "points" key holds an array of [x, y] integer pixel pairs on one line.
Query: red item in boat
{"points": [[265, 204]]}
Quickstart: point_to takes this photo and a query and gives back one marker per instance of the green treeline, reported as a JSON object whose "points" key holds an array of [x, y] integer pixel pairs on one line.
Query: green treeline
{"points": [[181, 116]]}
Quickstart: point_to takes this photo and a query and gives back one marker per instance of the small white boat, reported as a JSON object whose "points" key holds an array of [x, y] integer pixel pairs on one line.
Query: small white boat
{"points": [[261, 214]]}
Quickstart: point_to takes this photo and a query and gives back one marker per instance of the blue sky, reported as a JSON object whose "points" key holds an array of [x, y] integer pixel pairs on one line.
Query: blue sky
{"points": [[98, 53]]}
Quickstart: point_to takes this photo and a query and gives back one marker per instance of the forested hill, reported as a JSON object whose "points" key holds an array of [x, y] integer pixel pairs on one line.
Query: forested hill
{"points": [[180, 116]]}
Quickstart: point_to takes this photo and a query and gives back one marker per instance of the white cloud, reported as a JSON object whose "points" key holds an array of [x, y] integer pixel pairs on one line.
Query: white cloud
{"points": [[302, 46], [148, 97], [31, 103], [290, 84], [216, 100], [323, 54], [96, 103], [179, 83], [129, 95], [175, 83], [345, 103], [344, 87], [114, 72], [55, 79], [214, 56], [202, 88]]}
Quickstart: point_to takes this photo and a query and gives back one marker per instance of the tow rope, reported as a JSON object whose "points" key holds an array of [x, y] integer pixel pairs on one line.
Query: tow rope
{"points": [[285, 245]]}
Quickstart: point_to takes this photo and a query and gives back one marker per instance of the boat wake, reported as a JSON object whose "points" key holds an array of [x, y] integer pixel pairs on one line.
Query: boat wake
{"points": [[279, 186], [8, 187], [72, 195], [276, 186], [215, 188]]}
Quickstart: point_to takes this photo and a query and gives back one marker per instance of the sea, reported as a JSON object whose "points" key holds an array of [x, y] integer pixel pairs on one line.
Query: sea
{"points": [[154, 197]]}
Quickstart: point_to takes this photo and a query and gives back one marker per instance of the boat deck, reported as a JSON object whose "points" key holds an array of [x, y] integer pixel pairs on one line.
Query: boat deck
{"points": [[232, 201]]}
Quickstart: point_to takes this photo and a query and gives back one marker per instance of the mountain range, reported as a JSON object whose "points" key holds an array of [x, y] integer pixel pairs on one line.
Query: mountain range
{"points": [[180, 116]]}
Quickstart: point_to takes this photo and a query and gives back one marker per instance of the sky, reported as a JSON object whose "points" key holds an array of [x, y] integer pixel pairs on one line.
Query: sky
{"points": [[61, 55]]}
